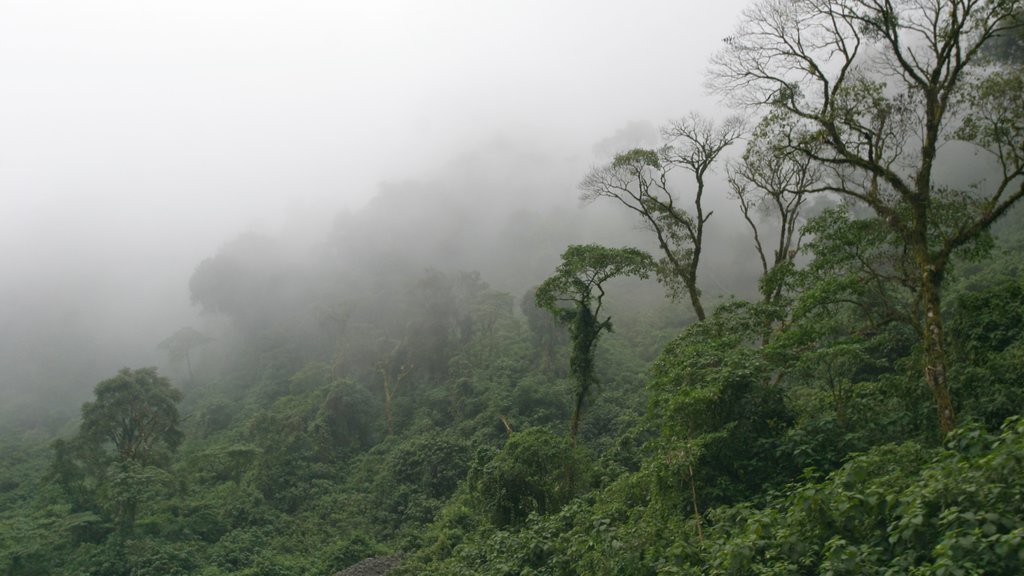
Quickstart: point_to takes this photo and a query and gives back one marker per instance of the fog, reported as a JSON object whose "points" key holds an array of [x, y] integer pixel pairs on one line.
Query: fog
{"points": [[139, 138]]}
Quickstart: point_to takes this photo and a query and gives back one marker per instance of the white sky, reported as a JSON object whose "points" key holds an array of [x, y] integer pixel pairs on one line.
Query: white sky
{"points": [[136, 132]]}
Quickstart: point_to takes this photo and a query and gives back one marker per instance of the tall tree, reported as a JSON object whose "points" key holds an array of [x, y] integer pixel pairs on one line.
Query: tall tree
{"points": [[575, 295], [179, 346], [393, 368], [135, 412], [127, 434], [772, 184], [879, 86], [639, 180]]}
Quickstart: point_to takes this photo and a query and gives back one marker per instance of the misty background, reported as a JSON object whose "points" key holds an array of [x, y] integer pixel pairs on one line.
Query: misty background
{"points": [[138, 139]]}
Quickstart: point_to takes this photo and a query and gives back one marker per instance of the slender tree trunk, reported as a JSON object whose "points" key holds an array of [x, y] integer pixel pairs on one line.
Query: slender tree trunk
{"points": [[574, 432], [686, 271], [934, 352], [698, 308], [696, 508], [698, 245], [387, 407], [932, 268], [188, 362], [577, 414]]}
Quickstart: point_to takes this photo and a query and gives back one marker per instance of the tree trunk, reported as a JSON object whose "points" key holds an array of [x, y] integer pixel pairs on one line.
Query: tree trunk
{"points": [[698, 308], [574, 423], [934, 350], [696, 508], [188, 362], [387, 407]]}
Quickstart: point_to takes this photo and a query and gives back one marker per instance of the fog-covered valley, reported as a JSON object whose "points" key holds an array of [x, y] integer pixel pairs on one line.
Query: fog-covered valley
{"points": [[139, 141], [511, 288]]}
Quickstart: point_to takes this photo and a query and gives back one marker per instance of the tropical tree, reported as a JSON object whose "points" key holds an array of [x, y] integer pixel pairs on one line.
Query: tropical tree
{"points": [[773, 184], [393, 368], [179, 346], [878, 88], [136, 413], [526, 477], [575, 295], [719, 416], [639, 180], [119, 458]]}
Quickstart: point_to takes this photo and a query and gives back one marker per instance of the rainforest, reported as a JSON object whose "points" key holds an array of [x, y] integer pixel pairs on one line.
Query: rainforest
{"points": [[778, 335]]}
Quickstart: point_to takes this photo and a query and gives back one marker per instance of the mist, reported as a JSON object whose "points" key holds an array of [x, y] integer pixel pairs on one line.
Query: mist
{"points": [[140, 139]]}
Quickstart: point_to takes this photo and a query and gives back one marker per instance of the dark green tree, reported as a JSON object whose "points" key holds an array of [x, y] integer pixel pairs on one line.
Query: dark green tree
{"points": [[575, 295], [720, 417], [135, 413], [119, 458], [527, 476]]}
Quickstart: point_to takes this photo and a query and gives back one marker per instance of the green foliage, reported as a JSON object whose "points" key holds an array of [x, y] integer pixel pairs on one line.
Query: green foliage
{"points": [[989, 322], [303, 434], [416, 476], [346, 552], [117, 464], [773, 182], [128, 486], [995, 114], [216, 417], [583, 272], [534, 402], [36, 542], [847, 349], [637, 158], [536, 472], [135, 412], [857, 261], [134, 557], [713, 397], [882, 122], [897, 509], [282, 464], [579, 282], [989, 350]]}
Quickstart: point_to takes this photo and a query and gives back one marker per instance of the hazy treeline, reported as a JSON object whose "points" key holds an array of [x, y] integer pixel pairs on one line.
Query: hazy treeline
{"points": [[784, 341]]}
